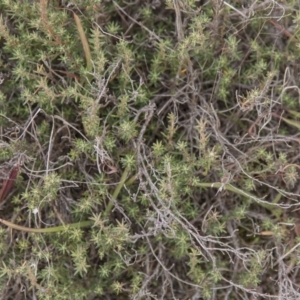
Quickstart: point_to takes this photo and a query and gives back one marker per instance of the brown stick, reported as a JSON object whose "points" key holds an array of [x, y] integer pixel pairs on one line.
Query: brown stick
{"points": [[9, 183]]}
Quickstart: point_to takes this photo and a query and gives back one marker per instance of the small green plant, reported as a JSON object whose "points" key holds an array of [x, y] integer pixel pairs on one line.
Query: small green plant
{"points": [[148, 151]]}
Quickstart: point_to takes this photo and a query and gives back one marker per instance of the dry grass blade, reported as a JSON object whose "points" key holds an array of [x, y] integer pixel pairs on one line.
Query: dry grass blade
{"points": [[84, 42]]}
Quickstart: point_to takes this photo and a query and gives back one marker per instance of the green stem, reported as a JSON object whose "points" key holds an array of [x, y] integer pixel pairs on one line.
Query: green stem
{"points": [[116, 192], [271, 206], [49, 229], [131, 180]]}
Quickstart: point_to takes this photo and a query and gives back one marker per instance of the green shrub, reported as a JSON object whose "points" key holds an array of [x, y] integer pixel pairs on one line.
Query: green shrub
{"points": [[158, 149]]}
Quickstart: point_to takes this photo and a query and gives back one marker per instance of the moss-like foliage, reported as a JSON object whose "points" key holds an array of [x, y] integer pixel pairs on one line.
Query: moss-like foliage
{"points": [[157, 149]]}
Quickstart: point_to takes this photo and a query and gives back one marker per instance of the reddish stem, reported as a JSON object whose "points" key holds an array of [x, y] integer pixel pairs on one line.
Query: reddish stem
{"points": [[9, 183]]}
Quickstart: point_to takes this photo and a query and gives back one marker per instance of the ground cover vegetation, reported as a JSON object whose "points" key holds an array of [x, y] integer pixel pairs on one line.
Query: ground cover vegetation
{"points": [[149, 149]]}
